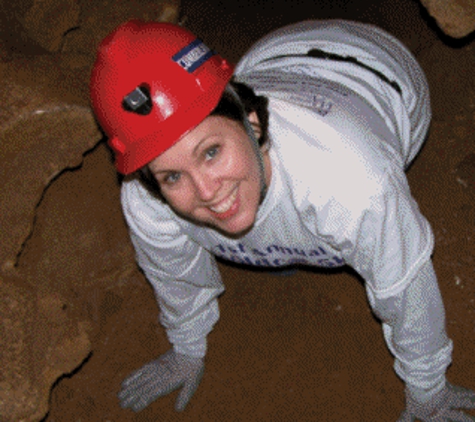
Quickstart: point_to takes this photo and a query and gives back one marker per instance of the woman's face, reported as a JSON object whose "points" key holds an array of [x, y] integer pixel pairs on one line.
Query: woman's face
{"points": [[211, 176]]}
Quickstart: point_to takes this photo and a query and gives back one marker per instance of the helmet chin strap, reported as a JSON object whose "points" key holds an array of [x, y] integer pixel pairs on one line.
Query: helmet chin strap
{"points": [[254, 141]]}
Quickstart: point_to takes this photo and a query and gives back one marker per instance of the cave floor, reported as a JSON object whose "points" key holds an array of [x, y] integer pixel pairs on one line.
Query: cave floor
{"points": [[307, 347]]}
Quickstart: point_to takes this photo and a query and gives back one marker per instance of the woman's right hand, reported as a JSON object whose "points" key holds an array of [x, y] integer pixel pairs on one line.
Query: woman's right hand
{"points": [[160, 377]]}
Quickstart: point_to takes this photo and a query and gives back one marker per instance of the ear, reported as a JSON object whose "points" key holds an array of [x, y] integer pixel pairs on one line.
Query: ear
{"points": [[256, 125]]}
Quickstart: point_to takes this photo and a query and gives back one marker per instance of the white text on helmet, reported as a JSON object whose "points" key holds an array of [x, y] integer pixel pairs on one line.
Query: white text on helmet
{"points": [[193, 55]]}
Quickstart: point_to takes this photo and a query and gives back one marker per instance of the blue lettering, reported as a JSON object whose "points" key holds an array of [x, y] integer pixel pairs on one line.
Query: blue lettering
{"points": [[314, 253], [300, 252], [320, 251], [248, 260], [221, 248], [263, 263], [325, 263], [285, 256], [339, 260], [269, 249], [258, 252]]}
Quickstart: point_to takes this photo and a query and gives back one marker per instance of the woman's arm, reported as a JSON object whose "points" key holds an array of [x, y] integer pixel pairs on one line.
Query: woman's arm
{"points": [[184, 276], [414, 330], [187, 284]]}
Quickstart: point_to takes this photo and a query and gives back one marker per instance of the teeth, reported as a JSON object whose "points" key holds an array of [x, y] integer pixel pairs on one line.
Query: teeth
{"points": [[225, 205]]}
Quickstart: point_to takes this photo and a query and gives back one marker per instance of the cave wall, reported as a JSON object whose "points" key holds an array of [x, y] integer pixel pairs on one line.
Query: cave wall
{"points": [[53, 220], [456, 18]]}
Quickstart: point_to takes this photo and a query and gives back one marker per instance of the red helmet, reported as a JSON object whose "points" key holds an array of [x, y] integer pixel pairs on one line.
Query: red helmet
{"points": [[151, 83]]}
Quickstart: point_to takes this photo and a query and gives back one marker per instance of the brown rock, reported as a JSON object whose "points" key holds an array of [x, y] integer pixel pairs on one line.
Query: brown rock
{"points": [[46, 21], [64, 254], [455, 17], [42, 131], [45, 127], [101, 17], [39, 342]]}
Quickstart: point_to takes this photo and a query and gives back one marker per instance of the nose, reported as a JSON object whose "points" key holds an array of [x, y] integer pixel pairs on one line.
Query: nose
{"points": [[206, 185]]}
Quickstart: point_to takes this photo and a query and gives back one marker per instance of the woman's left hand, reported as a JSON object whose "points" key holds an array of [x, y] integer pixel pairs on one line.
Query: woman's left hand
{"points": [[444, 406]]}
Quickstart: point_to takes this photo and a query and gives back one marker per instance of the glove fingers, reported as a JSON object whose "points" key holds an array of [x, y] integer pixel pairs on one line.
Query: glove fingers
{"points": [[148, 374], [149, 370], [142, 391], [139, 399], [133, 397], [138, 377], [132, 377], [129, 396], [159, 378], [133, 392], [144, 399]]}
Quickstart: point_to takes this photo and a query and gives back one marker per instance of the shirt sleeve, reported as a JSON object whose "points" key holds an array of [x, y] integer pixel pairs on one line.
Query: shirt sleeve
{"points": [[184, 275], [414, 330], [387, 240]]}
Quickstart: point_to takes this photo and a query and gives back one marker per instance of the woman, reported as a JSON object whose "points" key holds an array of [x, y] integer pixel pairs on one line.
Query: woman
{"points": [[296, 157]]}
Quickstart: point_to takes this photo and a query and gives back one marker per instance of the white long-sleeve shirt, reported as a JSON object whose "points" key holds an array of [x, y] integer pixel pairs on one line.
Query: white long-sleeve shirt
{"points": [[341, 136]]}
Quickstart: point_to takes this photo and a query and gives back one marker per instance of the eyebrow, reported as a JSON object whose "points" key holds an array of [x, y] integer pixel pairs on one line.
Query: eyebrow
{"points": [[203, 140], [156, 173]]}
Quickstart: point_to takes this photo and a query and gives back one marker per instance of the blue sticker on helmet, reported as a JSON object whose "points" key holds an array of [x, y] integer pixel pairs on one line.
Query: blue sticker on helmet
{"points": [[193, 55]]}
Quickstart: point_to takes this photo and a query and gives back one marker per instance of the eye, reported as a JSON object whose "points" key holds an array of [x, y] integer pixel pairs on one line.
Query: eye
{"points": [[212, 152], [171, 178]]}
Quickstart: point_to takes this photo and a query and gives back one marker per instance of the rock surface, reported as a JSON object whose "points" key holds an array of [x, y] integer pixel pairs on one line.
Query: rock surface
{"points": [[63, 253], [455, 17], [46, 21]]}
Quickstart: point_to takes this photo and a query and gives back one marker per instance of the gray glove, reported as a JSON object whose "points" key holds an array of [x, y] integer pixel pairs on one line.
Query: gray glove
{"points": [[442, 407], [160, 377]]}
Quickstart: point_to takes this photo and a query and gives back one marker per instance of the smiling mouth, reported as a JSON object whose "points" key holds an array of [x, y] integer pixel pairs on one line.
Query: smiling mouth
{"points": [[225, 205]]}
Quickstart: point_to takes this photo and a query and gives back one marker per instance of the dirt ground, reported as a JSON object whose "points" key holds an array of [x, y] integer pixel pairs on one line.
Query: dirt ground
{"points": [[304, 347]]}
